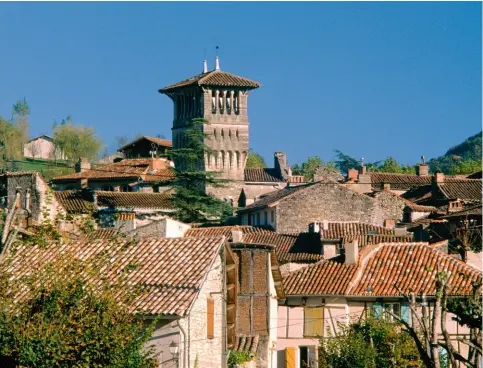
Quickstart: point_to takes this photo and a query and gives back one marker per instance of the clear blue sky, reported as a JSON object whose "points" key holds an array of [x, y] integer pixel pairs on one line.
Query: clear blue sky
{"points": [[370, 79]]}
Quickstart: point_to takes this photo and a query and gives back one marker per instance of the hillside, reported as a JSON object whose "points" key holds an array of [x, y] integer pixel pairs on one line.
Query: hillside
{"points": [[470, 149]]}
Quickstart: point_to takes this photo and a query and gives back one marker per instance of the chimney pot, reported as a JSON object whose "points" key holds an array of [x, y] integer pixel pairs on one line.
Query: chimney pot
{"points": [[217, 63], [351, 252], [205, 66], [237, 236], [439, 177], [363, 169], [325, 224], [314, 227], [386, 186], [82, 165], [352, 174]]}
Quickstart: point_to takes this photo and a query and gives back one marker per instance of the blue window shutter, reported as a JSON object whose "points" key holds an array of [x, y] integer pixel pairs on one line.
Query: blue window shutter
{"points": [[377, 309], [405, 311]]}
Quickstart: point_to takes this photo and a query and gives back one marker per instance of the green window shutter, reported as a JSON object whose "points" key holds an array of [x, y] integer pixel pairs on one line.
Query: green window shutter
{"points": [[377, 309], [405, 312]]}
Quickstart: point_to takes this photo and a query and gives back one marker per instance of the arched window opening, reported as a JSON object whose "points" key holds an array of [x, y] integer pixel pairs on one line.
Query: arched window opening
{"points": [[228, 102], [222, 133], [230, 159], [237, 158], [215, 154], [229, 133], [213, 101], [125, 188], [214, 133], [220, 101], [237, 134], [222, 163]]}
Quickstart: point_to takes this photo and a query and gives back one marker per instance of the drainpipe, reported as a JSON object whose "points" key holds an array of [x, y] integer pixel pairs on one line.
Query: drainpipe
{"points": [[184, 345]]}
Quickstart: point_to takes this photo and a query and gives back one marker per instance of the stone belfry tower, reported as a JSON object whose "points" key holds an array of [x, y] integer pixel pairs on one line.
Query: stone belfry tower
{"points": [[220, 98]]}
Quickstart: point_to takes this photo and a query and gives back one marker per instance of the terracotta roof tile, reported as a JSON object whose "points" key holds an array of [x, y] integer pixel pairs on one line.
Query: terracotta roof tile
{"points": [[337, 230], [263, 175], [77, 201], [225, 231], [106, 233], [171, 270], [398, 181], [134, 168], [466, 190], [159, 141], [213, 78], [409, 266], [369, 239], [469, 211]]}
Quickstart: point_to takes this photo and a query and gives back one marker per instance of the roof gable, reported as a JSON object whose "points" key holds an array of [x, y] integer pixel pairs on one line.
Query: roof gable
{"points": [[159, 141], [216, 78], [171, 270]]}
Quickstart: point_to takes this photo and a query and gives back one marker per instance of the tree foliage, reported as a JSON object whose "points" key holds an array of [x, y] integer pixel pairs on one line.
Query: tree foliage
{"points": [[76, 141], [345, 162], [466, 167], [255, 161], [20, 115], [67, 313], [309, 167], [370, 343], [10, 140], [190, 198]]}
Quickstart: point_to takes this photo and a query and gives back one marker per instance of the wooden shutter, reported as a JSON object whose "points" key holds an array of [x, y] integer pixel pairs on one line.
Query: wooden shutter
{"points": [[290, 354], [313, 322], [210, 309], [405, 312]]}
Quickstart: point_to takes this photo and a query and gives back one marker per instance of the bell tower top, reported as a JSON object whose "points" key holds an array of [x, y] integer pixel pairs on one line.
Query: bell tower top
{"points": [[220, 98]]}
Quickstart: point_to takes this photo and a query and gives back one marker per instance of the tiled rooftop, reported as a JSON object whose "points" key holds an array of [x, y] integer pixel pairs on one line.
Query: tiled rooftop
{"points": [[469, 190], [171, 271], [337, 230], [77, 201], [135, 168], [382, 267], [215, 78], [159, 141], [225, 231], [262, 175]]}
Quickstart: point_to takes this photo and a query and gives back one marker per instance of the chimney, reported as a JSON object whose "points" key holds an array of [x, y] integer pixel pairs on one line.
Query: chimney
{"points": [[389, 224], [82, 165], [438, 177], [157, 164], [362, 169], [217, 63], [352, 174], [325, 225], [351, 252], [280, 164], [330, 250], [422, 169], [205, 66], [314, 227], [236, 236], [386, 186]]}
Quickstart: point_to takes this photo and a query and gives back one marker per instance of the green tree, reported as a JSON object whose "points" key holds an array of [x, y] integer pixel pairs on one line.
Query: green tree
{"points": [[370, 343], [255, 161], [466, 167], [345, 162], [391, 165], [309, 167], [11, 147], [76, 141], [20, 115], [191, 181], [68, 314]]}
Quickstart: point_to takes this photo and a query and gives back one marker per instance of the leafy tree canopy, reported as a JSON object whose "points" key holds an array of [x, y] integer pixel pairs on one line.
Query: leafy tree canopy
{"points": [[76, 141], [255, 161], [345, 162], [309, 167]]}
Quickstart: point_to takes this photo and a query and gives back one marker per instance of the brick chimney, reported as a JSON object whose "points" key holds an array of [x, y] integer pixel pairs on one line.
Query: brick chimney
{"points": [[389, 224], [236, 236], [352, 174], [280, 164], [363, 170], [157, 164], [82, 165], [351, 252], [438, 178], [386, 186], [422, 169]]}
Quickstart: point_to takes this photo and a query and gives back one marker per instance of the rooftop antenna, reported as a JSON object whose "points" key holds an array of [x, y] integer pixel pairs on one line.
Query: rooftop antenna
{"points": [[422, 159], [205, 64], [362, 161], [217, 59]]}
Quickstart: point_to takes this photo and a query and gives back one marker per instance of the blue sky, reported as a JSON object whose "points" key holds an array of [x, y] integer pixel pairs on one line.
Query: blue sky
{"points": [[370, 79]]}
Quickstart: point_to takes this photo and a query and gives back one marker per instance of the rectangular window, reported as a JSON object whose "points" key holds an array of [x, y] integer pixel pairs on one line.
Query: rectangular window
{"points": [[266, 218], [272, 216], [313, 322], [210, 309], [258, 219], [391, 310]]}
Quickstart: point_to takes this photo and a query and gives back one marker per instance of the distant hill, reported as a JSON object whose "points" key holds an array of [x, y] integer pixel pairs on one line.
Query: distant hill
{"points": [[470, 149]]}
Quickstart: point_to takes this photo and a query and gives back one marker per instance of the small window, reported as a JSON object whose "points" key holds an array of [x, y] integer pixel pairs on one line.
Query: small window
{"points": [[391, 310], [258, 218], [210, 309], [272, 216], [265, 218]]}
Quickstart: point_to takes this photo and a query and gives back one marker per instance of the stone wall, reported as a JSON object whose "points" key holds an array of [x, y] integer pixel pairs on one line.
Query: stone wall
{"points": [[333, 202], [391, 205], [210, 352]]}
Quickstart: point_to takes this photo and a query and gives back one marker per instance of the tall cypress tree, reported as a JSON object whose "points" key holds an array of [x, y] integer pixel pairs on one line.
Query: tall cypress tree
{"points": [[190, 199]]}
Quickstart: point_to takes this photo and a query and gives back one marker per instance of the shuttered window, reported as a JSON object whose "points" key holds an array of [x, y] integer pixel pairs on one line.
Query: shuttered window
{"points": [[290, 355], [210, 309], [313, 322]]}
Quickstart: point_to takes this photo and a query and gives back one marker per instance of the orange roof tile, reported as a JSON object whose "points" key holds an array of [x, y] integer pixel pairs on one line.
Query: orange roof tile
{"points": [[171, 271], [262, 175], [215, 78], [384, 268]]}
